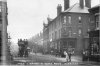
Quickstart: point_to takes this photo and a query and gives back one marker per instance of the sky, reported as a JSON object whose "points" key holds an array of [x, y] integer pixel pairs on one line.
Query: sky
{"points": [[26, 17]]}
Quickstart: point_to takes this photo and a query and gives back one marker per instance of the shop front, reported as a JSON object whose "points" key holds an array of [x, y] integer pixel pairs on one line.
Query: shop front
{"points": [[94, 47]]}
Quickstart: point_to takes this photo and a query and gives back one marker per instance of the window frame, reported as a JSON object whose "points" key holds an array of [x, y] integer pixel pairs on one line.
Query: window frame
{"points": [[97, 21], [69, 19], [80, 19], [65, 19]]}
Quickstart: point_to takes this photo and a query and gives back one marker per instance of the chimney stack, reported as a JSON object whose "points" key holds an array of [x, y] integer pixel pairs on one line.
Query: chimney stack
{"points": [[88, 3], [66, 4], [82, 3], [59, 9]]}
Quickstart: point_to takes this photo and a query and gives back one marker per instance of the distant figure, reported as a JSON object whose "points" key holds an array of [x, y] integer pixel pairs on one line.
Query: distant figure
{"points": [[67, 57], [26, 53], [70, 56]]}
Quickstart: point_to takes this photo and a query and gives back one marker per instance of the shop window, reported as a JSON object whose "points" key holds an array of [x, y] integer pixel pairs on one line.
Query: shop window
{"points": [[94, 48]]}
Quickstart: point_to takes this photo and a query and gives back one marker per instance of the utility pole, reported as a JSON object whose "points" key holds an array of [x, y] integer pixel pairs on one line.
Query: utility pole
{"points": [[4, 32]]}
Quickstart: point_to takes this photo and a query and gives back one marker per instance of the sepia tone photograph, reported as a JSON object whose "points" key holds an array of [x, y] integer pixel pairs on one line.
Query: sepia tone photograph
{"points": [[49, 33]]}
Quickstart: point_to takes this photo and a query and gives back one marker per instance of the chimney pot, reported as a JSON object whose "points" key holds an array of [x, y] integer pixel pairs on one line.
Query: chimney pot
{"points": [[59, 9], [88, 3], [82, 3], [66, 4]]}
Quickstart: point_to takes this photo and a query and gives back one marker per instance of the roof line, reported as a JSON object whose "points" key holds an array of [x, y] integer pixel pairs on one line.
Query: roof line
{"points": [[71, 7], [96, 6]]}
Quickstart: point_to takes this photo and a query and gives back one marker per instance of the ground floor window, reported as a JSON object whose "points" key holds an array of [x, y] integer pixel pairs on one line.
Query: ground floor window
{"points": [[94, 48]]}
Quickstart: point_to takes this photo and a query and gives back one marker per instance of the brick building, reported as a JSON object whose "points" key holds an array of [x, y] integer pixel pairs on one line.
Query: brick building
{"points": [[69, 29], [45, 37], [94, 29], [3, 30]]}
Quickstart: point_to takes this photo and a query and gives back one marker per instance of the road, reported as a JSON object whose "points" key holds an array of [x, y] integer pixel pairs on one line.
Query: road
{"points": [[49, 60]]}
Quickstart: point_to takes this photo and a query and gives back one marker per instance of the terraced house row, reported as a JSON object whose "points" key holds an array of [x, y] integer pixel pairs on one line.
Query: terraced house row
{"points": [[69, 30]]}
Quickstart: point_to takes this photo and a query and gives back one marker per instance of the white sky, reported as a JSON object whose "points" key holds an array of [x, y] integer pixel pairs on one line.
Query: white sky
{"points": [[25, 17]]}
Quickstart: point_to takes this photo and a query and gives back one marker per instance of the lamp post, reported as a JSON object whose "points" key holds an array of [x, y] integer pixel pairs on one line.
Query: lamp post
{"points": [[9, 42]]}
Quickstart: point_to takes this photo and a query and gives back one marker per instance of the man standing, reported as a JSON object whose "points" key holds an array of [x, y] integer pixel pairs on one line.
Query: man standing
{"points": [[69, 56], [70, 52]]}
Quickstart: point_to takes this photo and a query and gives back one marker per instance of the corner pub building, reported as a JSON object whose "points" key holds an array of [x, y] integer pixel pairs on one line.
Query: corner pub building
{"points": [[94, 33], [69, 29]]}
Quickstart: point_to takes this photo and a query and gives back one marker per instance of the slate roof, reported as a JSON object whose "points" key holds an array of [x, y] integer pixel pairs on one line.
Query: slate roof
{"points": [[96, 6], [77, 9]]}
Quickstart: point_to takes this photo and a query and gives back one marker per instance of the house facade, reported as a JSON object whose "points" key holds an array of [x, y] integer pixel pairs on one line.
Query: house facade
{"points": [[69, 29], [94, 33]]}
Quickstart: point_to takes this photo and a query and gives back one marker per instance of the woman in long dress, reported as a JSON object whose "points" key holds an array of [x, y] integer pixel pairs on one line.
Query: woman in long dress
{"points": [[67, 57]]}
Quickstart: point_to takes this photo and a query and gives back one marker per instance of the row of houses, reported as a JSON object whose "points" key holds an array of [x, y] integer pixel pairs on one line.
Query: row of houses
{"points": [[38, 38], [71, 27]]}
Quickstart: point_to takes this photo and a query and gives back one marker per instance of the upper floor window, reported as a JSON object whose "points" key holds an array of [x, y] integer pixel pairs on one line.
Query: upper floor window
{"points": [[70, 34], [80, 31], [69, 19], [64, 19], [97, 21], [80, 19]]}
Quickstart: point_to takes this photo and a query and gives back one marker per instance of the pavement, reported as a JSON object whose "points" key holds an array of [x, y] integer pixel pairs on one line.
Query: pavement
{"points": [[35, 59], [73, 59], [39, 58]]}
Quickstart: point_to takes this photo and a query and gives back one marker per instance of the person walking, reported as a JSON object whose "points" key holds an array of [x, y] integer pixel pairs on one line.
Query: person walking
{"points": [[67, 57], [70, 55]]}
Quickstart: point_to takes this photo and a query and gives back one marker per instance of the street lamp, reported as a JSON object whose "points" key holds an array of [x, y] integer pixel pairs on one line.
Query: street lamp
{"points": [[9, 43]]}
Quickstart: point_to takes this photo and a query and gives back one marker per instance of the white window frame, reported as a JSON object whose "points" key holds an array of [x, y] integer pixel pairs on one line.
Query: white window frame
{"points": [[64, 19], [69, 19], [80, 31], [80, 19]]}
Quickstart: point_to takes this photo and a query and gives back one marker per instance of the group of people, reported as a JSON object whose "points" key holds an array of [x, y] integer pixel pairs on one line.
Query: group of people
{"points": [[23, 45], [68, 56]]}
